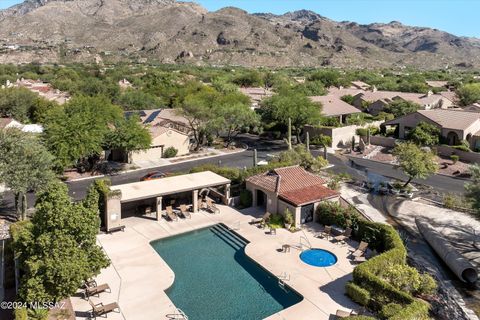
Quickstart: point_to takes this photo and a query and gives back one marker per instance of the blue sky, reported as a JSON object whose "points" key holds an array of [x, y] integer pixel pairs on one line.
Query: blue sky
{"points": [[459, 17]]}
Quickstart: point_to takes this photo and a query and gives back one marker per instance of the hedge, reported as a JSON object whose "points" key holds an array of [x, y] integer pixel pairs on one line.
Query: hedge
{"points": [[382, 293], [358, 294], [359, 318]]}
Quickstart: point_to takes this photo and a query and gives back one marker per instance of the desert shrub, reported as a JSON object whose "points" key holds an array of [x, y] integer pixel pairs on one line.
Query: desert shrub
{"points": [[38, 314], [288, 217], [454, 158], [276, 221], [408, 279], [170, 152], [361, 132], [232, 174], [463, 146], [245, 198], [389, 310], [359, 318], [332, 213], [358, 294], [21, 314]]}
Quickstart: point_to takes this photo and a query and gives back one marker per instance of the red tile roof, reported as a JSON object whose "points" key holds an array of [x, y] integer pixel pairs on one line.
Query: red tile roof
{"points": [[293, 184], [308, 195], [5, 122]]}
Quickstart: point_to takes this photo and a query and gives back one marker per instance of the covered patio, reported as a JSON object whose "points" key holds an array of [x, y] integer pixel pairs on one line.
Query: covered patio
{"points": [[148, 199]]}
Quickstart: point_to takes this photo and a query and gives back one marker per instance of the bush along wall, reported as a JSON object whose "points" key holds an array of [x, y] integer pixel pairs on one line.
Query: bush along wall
{"points": [[368, 275], [379, 283]]}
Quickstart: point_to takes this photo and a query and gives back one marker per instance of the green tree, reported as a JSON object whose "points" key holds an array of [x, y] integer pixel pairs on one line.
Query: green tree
{"points": [[25, 165], [289, 104], [129, 135], [57, 250], [330, 78], [299, 155], [401, 107], [473, 188], [233, 114], [78, 131], [132, 99], [468, 94], [251, 78], [415, 162], [18, 103], [198, 109], [425, 134]]}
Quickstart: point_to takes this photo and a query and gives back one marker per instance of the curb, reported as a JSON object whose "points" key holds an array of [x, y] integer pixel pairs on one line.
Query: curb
{"points": [[160, 166]]}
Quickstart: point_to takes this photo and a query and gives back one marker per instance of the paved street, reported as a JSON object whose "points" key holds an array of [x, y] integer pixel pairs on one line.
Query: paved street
{"points": [[359, 170]]}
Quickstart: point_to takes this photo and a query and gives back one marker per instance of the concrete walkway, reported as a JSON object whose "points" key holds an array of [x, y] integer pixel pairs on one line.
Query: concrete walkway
{"points": [[139, 276]]}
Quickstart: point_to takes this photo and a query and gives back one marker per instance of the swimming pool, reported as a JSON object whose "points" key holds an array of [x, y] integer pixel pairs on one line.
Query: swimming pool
{"points": [[318, 257], [214, 279]]}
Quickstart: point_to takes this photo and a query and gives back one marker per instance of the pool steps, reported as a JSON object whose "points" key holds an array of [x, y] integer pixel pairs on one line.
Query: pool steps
{"points": [[228, 236]]}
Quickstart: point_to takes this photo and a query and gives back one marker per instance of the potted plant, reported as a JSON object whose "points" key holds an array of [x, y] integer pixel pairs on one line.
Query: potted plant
{"points": [[289, 219]]}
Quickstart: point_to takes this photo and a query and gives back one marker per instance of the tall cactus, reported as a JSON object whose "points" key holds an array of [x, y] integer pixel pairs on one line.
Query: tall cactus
{"points": [[325, 152], [368, 137], [289, 134], [255, 157], [308, 141], [353, 143]]}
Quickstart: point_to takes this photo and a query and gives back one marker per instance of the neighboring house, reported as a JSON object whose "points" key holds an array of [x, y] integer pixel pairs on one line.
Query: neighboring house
{"points": [[162, 139], [333, 106], [44, 90], [6, 123], [454, 125], [290, 188], [439, 84], [378, 100], [124, 84], [472, 108], [360, 85], [167, 130], [256, 95]]}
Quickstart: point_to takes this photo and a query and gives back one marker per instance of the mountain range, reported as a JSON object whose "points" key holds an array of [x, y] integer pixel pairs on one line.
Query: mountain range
{"points": [[168, 31]]}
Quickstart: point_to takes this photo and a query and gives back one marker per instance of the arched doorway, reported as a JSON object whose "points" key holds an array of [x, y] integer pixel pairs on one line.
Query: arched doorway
{"points": [[452, 138], [261, 199]]}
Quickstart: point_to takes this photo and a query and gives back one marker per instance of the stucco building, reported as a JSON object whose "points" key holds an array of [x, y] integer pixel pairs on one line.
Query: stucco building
{"points": [[290, 188], [454, 125]]}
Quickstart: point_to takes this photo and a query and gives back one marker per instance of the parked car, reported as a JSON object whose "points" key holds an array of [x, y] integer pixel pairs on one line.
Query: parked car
{"points": [[153, 176]]}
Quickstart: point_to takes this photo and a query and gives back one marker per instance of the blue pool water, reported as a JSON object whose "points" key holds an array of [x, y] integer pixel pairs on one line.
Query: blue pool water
{"points": [[318, 258], [214, 279]]}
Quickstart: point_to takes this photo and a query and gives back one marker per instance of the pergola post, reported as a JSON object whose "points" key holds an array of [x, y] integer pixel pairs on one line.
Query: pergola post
{"points": [[226, 195], [195, 200], [159, 208]]}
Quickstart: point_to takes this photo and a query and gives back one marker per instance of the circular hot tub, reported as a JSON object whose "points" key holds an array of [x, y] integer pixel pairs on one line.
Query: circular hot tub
{"points": [[318, 257]]}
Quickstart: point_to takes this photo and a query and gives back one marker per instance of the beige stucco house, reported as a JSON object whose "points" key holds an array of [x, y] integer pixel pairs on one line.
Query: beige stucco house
{"points": [[290, 188], [454, 125], [167, 129], [334, 107], [378, 100]]}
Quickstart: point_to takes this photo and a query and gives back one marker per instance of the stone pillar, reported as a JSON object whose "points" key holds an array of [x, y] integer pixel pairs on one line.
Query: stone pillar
{"points": [[226, 195], [159, 208], [195, 200]]}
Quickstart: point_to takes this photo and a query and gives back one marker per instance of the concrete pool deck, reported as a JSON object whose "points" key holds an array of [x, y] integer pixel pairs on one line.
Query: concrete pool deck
{"points": [[139, 277]]}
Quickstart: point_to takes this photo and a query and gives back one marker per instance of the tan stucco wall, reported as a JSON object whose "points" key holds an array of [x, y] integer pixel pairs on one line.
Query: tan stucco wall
{"points": [[113, 212], [172, 138]]}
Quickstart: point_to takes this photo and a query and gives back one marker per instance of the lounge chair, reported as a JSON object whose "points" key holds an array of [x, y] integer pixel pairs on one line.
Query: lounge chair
{"points": [[184, 211], [360, 251], [344, 236], [273, 231], [171, 215], [212, 207], [94, 290], [344, 314], [326, 233], [263, 219], [100, 309]]}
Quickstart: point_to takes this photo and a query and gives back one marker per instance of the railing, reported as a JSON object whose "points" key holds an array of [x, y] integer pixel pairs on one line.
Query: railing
{"points": [[308, 244], [284, 277], [177, 314]]}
